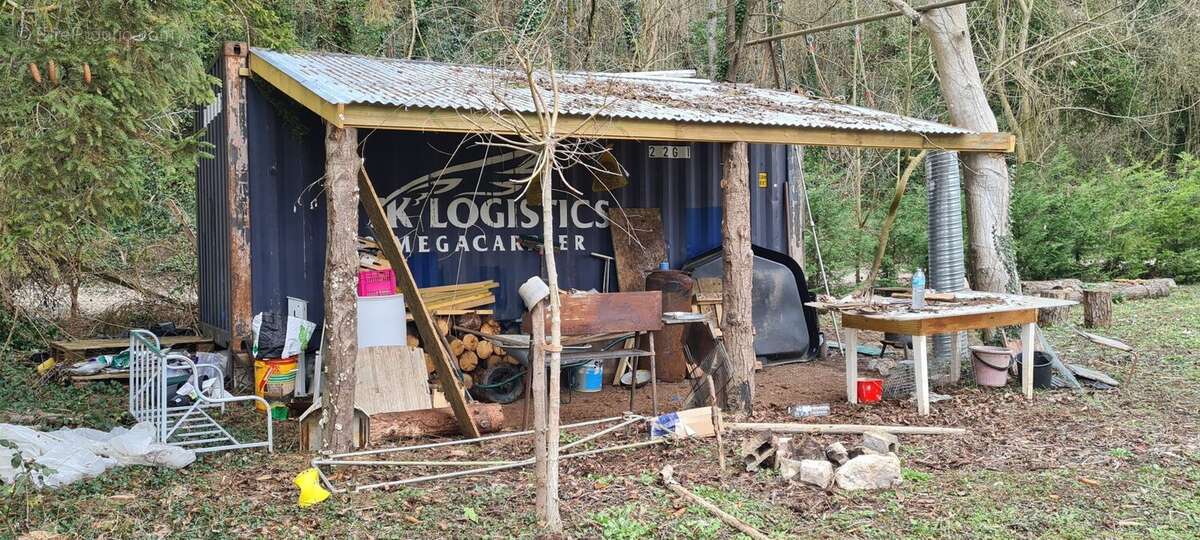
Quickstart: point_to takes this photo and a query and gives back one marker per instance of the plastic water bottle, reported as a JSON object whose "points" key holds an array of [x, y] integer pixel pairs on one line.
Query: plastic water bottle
{"points": [[918, 289], [804, 411]]}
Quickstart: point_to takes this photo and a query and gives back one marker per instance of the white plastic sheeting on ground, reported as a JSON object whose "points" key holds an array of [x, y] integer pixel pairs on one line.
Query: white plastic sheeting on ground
{"points": [[57, 458]]}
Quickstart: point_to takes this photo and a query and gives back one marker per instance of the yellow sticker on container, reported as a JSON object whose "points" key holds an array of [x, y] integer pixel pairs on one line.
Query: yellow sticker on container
{"points": [[762, 179]]}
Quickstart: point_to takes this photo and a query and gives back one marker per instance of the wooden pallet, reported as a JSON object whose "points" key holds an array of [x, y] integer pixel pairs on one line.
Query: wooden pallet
{"points": [[80, 350]]}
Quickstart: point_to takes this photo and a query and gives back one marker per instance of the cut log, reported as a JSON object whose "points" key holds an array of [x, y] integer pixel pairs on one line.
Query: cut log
{"points": [[1097, 309], [468, 381], [456, 347], [484, 349], [443, 325], [498, 350], [467, 361], [1055, 315], [1072, 287], [470, 321], [386, 427], [470, 341], [1136, 289], [430, 368], [510, 359], [413, 341]]}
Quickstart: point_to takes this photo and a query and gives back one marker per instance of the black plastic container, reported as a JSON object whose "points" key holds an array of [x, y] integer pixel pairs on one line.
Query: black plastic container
{"points": [[1042, 372]]}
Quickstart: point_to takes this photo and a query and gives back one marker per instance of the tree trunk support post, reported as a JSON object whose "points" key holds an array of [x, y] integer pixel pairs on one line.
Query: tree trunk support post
{"points": [[341, 298], [737, 326]]}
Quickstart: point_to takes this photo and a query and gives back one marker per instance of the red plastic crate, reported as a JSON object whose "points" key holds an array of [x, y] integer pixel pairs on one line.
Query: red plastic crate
{"points": [[870, 390], [376, 282]]}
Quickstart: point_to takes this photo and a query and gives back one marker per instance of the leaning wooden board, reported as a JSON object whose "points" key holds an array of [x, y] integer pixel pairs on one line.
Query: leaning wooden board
{"points": [[431, 338], [75, 351], [638, 245], [603, 313], [391, 379]]}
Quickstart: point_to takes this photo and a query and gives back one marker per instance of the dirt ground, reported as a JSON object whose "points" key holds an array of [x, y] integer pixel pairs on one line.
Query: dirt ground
{"points": [[1118, 464]]}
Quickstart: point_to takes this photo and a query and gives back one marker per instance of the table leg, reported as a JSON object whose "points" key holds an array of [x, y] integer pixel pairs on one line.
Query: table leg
{"points": [[633, 369], [653, 376], [921, 377], [850, 351], [1027, 337], [955, 357]]}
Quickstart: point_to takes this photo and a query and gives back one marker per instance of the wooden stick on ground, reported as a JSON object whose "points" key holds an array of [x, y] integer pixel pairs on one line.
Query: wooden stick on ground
{"points": [[669, 481], [843, 428], [716, 419]]}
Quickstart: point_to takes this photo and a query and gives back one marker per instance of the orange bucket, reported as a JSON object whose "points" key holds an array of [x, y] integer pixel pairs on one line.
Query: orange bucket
{"points": [[274, 380]]}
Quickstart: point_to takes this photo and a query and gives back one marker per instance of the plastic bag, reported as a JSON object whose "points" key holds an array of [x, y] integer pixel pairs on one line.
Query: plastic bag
{"points": [[298, 333], [270, 333], [65, 456], [280, 336]]}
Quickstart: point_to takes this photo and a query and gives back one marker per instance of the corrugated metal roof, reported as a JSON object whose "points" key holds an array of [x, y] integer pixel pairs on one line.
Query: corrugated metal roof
{"points": [[350, 79]]}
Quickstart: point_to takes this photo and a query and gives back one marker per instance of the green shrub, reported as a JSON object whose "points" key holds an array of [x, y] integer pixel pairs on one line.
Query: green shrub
{"points": [[1135, 220]]}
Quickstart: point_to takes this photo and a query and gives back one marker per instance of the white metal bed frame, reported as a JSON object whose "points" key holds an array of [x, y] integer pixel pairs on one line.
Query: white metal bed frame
{"points": [[189, 426]]}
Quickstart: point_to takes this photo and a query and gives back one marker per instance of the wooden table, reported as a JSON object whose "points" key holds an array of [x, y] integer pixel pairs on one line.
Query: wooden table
{"points": [[1011, 310]]}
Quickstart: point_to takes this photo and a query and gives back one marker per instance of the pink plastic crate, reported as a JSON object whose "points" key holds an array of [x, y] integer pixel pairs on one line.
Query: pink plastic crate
{"points": [[376, 282]]}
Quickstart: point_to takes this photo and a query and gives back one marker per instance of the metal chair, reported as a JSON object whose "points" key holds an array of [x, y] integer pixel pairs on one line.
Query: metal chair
{"points": [[152, 372]]}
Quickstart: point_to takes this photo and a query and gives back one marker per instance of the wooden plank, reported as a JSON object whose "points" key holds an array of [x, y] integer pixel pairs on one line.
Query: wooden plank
{"points": [[122, 343], [81, 380], [842, 428], [451, 312], [386, 117], [606, 313], [391, 379], [431, 338], [489, 284], [463, 302], [939, 325], [638, 245]]}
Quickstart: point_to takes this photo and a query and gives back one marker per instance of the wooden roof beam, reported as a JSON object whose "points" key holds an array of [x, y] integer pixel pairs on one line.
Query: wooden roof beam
{"points": [[381, 117]]}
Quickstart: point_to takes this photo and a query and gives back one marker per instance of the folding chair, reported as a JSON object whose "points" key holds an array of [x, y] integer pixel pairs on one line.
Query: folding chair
{"points": [[152, 372]]}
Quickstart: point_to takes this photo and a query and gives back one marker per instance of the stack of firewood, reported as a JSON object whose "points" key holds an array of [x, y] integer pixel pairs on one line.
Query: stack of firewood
{"points": [[467, 336]]}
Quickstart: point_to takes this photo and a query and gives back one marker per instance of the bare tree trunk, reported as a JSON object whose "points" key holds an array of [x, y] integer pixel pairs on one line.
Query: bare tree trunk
{"points": [[341, 271], [738, 326], [993, 265], [710, 31], [797, 213], [537, 361], [553, 520]]}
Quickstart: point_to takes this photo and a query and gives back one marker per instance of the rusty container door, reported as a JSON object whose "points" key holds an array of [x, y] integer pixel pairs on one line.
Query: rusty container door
{"points": [[676, 290]]}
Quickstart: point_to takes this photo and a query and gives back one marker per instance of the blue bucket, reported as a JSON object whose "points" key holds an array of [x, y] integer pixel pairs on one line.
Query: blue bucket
{"points": [[590, 377]]}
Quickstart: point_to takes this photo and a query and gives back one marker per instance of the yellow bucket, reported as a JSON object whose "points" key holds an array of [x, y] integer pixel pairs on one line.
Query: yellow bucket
{"points": [[274, 380]]}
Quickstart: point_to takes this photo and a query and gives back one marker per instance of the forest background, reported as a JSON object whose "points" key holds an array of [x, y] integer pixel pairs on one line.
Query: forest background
{"points": [[97, 169]]}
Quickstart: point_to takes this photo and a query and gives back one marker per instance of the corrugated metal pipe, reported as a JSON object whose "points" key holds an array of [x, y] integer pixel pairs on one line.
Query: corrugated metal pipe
{"points": [[947, 269]]}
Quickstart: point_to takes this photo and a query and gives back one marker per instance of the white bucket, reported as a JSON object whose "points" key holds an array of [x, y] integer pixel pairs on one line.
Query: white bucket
{"points": [[534, 290], [381, 321]]}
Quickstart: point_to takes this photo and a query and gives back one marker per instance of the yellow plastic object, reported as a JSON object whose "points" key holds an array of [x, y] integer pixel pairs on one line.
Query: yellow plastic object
{"points": [[311, 491], [46, 366]]}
